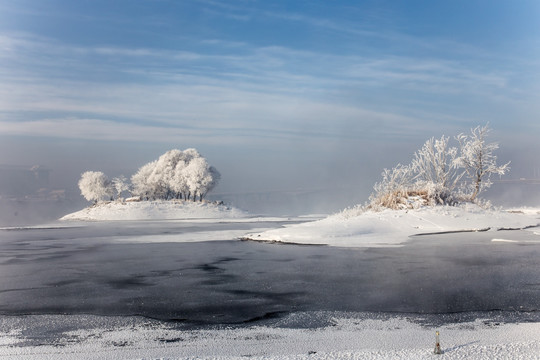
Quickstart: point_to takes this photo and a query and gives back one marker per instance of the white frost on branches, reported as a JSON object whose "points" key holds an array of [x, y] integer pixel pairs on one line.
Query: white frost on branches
{"points": [[393, 187], [440, 173], [95, 186], [120, 185], [200, 177], [174, 175], [140, 181], [436, 168], [478, 160], [436, 163]]}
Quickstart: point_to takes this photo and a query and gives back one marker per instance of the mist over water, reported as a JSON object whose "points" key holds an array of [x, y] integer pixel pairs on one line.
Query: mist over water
{"points": [[35, 212], [515, 194], [293, 179], [31, 211]]}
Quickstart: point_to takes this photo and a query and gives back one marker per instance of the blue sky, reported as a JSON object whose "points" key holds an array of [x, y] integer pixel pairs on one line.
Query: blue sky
{"points": [[279, 94]]}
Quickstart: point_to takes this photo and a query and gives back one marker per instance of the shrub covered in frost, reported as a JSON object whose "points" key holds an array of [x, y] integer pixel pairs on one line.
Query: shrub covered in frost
{"points": [[440, 174]]}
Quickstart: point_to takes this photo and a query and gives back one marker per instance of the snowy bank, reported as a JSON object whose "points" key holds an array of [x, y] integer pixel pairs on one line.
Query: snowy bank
{"points": [[353, 228], [347, 338], [155, 210]]}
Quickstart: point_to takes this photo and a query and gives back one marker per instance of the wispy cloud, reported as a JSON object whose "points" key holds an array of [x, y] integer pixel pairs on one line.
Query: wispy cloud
{"points": [[197, 112], [261, 63], [259, 89]]}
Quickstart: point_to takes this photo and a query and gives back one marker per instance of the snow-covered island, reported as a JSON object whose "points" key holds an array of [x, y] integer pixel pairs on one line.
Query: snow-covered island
{"points": [[175, 175], [171, 187], [437, 192]]}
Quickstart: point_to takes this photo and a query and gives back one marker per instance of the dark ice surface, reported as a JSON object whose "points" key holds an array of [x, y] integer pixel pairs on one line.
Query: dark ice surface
{"points": [[85, 269]]}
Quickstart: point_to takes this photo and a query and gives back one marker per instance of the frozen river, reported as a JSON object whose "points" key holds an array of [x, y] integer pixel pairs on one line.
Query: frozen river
{"points": [[137, 268]]}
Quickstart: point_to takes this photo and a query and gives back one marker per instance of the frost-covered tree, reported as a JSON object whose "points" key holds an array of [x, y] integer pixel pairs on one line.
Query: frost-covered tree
{"points": [[95, 186], [190, 154], [436, 173], [120, 184], [478, 160], [176, 174], [162, 174], [435, 167], [178, 181], [436, 163], [200, 177], [140, 181]]}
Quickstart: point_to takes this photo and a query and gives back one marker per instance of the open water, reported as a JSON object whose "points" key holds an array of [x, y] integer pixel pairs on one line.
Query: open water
{"points": [[94, 268]]}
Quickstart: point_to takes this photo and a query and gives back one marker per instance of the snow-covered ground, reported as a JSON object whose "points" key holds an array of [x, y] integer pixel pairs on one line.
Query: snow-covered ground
{"points": [[354, 228], [347, 338], [155, 210]]}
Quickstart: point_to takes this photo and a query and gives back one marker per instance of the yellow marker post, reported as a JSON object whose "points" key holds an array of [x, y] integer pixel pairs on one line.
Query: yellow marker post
{"points": [[437, 344]]}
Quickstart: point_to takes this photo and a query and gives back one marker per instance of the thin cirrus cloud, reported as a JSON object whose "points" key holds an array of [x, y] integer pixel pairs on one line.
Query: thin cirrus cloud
{"points": [[251, 87], [260, 61], [238, 116]]}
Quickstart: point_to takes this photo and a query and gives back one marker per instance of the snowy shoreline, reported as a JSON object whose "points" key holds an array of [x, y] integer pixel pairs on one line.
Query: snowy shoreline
{"points": [[374, 336], [352, 228], [298, 335], [155, 210]]}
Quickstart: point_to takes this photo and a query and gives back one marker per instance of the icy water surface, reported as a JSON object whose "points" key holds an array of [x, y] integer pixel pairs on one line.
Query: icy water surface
{"points": [[113, 269]]}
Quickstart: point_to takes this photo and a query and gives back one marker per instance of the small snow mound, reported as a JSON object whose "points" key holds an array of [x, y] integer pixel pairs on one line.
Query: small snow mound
{"points": [[155, 210]]}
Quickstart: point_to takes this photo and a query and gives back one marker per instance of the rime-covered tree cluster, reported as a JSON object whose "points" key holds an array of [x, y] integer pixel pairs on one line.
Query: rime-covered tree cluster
{"points": [[175, 175], [440, 173]]}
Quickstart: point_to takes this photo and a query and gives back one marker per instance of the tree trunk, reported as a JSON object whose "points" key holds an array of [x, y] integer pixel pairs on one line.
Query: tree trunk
{"points": [[476, 187]]}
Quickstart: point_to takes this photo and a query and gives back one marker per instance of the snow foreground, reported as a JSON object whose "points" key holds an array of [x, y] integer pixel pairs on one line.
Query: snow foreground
{"points": [[346, 338], [155, 210], [353, 228]]}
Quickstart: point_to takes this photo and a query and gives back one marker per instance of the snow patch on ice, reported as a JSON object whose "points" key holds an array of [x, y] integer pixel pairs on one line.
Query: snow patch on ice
{"points": [[192, 236], [504, 240], [517, 241]]}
